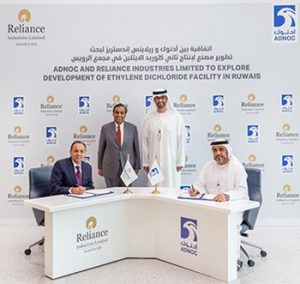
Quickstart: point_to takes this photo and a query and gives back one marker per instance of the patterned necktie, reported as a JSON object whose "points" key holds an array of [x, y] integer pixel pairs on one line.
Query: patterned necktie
{"points": [[78, 175], [119, 135]]}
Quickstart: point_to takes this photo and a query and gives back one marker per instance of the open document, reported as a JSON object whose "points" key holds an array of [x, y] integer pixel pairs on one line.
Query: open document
{"points": [[91, 193], [200, 196]]}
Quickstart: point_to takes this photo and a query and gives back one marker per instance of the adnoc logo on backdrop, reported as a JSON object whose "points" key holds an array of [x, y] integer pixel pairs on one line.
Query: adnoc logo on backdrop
{"points": [[218, 102], [18, 105], [148, 101], [18, 165], [284, 25], [51, 135], [189, 236], [84, 105], [287, 164], [188, 134], [287, 103], [252, 133]]}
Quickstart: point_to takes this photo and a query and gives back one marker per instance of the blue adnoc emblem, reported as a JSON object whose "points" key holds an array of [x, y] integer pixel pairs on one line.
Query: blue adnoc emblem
{"points": [[286, 102], [287, 163], [218, 103], [18, 105], [189, 236], [84, 105], [148, 101], [18, 165], [252, 133], [284, 23], [51, 135]]}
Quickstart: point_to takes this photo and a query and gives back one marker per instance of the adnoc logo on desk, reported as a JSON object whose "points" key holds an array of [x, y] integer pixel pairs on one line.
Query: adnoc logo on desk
{"points": [[189, 236]]}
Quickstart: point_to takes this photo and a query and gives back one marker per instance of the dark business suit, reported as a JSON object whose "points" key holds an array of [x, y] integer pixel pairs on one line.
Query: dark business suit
{"points": [[112, 157], [63, 176]]}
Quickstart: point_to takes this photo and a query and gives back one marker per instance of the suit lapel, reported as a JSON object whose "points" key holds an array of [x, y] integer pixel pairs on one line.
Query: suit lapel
{"points": [[113, 132]]}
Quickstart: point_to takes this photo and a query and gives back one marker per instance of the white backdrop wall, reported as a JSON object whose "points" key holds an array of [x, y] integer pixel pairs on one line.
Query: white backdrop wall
{"points": [[232, 70]]}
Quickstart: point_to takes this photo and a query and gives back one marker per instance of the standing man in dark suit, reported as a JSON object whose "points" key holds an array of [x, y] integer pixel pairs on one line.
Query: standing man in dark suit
{"points": [[72, 175], [118, 141]]}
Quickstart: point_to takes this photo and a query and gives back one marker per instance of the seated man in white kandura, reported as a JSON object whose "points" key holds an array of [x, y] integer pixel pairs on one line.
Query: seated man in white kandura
{"points": [[224, 176]]}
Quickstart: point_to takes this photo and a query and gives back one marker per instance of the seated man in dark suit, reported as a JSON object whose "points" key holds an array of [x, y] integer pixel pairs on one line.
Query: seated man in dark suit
{"points": [[72, 175]]}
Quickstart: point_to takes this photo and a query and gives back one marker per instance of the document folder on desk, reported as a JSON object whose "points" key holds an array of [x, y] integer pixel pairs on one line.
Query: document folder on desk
{"points": [[91, 193], [200, 196]]}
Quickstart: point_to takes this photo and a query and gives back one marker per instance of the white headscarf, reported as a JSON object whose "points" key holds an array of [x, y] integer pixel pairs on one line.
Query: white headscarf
{"points": [[159, 93], [234, 163], [225, 144]]}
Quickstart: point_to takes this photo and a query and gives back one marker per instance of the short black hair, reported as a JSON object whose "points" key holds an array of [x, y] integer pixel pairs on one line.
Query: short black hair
{"points": [[77, 142], [120, 105]]}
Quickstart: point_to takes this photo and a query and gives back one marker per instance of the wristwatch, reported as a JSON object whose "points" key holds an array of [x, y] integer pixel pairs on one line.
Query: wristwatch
{"points": [[227, 197]]}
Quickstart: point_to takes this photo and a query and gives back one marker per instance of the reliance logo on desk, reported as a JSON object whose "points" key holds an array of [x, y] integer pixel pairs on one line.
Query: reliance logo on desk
{"points": [[189, 236], [91, 239]]}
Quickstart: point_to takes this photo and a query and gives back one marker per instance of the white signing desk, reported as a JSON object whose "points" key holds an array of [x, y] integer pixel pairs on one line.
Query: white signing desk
{"points": [[84, 233]]}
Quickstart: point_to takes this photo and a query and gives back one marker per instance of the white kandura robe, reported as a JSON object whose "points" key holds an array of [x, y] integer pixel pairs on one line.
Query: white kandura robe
{"points": [[231, 179], [163, 137]]}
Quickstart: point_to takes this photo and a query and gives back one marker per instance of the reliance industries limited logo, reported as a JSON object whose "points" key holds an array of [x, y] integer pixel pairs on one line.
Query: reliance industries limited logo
{"points": [[252, 133], [115, 100], [18, 105], [16, 197], [50, 108], [251, 106], [49, 161], [286, 136], [18, 138], [189, 168], [185, 107], [284, 25], [189, 236], [51, 135], [286, 102], [84, 136], [84, 104], [252, 163], [218, 102], [217, 133], [18, 165], [24, 33], [91, 239], [287, 164], [286, 196]]}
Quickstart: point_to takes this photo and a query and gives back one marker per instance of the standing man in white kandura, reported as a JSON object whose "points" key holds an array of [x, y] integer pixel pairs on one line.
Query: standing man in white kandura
{"points": [[163, 136]]}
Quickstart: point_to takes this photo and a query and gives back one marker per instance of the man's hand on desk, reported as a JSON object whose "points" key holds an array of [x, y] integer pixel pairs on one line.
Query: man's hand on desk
{"points": [[222, 197], [78, 190], [193, 192]]}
